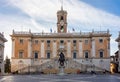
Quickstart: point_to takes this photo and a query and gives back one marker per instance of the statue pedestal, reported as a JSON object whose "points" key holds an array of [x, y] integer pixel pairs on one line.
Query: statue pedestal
{"points": [[61, 70]]}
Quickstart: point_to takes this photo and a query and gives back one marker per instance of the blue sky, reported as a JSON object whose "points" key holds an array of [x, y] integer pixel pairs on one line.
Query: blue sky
{"points": [[40, 15], [110, 6]]}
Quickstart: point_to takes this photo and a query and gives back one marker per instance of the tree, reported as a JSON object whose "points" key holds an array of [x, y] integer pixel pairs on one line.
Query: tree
{"points": [[7, 65]]}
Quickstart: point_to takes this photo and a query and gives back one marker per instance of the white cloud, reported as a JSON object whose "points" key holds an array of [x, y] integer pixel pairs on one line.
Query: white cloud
{"points": [[77, 11], [80, 15], [113, 46]]}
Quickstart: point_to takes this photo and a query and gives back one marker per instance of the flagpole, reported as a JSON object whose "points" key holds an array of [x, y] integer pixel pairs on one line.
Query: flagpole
{"points": [[61, 4]]}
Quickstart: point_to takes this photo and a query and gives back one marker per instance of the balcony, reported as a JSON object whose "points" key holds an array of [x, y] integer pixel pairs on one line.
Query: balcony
{"points": [[61, 46]]}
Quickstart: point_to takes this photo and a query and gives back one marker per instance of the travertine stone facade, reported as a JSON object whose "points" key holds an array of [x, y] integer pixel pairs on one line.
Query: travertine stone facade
{"points": [[35, 48]]}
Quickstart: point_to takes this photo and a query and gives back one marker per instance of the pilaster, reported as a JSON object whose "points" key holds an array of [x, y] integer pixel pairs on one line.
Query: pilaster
{"points": [[42, 49], [93, 48], [80, 49]]}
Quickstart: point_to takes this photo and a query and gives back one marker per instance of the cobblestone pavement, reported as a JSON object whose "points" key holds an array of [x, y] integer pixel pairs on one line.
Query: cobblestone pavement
{"points": [[60, 78]]}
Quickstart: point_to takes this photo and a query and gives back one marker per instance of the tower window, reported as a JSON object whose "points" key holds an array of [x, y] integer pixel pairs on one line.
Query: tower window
{"points": [[62, 28], [20, 54], [86, 54], [36, 55], [48, 55], [21, 41], [74, 55], [61, 17]]}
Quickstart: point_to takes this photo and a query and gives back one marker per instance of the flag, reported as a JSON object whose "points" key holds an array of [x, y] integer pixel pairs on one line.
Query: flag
{"points": [[51, 30], [73, 29]]}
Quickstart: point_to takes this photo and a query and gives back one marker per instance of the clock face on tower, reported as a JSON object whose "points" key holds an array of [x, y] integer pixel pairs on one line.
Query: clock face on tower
{"points": [[61, 22]]}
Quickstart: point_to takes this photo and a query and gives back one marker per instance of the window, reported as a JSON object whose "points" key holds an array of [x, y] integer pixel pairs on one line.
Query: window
{"points": [[101, 40], [36, 55], [74, 55], [74, 42], [21, 41], [61, 17], [48, 41], [101, 54], [36, 41], [86, 54], [62, 29], [20, 54], [61, 41], [86, 41], [48, 55]]}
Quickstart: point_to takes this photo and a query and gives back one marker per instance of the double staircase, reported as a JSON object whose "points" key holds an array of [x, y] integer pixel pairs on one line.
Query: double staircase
{"points": [[52, 67]]}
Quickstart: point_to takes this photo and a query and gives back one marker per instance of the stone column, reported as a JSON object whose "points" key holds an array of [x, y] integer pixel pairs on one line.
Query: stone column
{"points": [[68, 49], [54, 49], [13, 48], [42, 50], [80, 49], [93, 48]]}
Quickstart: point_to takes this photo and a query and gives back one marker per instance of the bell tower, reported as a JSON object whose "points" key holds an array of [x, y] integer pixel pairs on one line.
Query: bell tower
{"points": [[62, 21]]}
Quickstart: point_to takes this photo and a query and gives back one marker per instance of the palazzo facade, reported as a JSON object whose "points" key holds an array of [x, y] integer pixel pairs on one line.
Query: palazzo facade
{"points": [[87, 48]]}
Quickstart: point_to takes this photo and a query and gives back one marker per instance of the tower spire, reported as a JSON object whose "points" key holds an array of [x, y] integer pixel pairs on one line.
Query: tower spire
{"points": [[61, 4]]}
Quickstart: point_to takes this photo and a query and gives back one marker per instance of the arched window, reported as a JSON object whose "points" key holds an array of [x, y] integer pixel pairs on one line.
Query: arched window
{"points": [[61, 17], [48, 55], [74, 55], [62, 28]]}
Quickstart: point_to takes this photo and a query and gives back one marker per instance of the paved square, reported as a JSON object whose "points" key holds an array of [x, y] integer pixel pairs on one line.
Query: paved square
{"points": [[60, 78]]}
